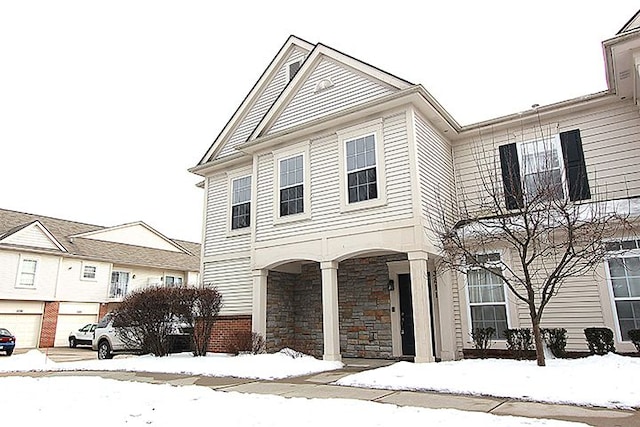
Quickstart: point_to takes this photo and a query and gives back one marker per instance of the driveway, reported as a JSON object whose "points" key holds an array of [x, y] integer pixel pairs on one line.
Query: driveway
{"points": [[64, 354]]}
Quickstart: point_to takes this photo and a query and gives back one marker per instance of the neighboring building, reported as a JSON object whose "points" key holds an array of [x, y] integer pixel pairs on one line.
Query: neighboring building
{"points": [[322, 189], [57, 275]]}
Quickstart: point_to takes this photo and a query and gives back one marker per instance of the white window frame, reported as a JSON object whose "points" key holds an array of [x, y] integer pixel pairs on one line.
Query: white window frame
{"points": [[83, 268], [22, 259], [244, 173], [127, 287], [497, 264], [164, 280], [553, 142], [278, 156], [624, 253], [374, 128]]}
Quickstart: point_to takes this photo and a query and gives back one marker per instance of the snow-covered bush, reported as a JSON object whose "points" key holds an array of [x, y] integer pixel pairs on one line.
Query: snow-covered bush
{"points": [[518, 341], [600, 340], [556, 339]]}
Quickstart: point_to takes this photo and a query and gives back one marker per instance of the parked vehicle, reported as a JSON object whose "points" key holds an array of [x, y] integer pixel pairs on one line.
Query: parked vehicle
{"points": [[83, 336], [108, 343], [7, 341]]}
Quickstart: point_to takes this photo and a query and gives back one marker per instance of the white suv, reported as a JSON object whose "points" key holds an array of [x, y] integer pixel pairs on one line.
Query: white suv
{"points": [[107, 342]]}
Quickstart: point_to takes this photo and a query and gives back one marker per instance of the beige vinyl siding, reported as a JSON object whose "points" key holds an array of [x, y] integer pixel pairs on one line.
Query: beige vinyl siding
{"points": [[325, 187], [232, 278], [349, 88], [31, 236], [435, 170], [611, 144], [262, 105], [218, 221], [457, 317]]}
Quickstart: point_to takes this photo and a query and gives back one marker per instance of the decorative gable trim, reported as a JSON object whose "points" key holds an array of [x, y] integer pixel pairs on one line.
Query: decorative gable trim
{"points": [[253, 95], [97, 234], [13, 236], [317, 54]]}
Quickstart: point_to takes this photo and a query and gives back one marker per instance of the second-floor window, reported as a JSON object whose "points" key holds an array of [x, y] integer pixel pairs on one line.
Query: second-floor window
{"points": [[241, 203], [89, 272], [623, 270], [362, 176], [291, 185], [172, 281], [28, 272], [541, 168], [544, 169], [119, 284]]}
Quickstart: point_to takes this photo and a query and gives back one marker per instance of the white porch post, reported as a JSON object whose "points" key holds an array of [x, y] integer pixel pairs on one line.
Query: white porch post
{"points": [[259, 302], [421, 311], [330, 320]]}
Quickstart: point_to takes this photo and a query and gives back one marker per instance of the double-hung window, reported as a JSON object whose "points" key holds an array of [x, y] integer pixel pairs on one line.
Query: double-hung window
{"points": [[28, 272], [548, 168], [241, 203], [542, 169], [89, 272], [291, 185], [624, 280], [362, 175], [487, 302]]}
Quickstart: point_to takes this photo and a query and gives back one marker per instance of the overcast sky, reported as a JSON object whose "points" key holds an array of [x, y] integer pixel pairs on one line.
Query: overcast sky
{"points": [[104, 105]]}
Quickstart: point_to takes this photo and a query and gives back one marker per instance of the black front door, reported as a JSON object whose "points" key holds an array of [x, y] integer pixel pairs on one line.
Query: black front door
{"points": [[406, 315]]}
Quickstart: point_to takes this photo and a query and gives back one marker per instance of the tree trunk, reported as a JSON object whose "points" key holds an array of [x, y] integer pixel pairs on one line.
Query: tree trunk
{"points": [[537, 337]]}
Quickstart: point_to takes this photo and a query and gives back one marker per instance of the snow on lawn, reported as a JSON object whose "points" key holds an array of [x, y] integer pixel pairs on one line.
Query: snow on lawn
{"points": [[47, 401], [608, 381], [261, 366]]}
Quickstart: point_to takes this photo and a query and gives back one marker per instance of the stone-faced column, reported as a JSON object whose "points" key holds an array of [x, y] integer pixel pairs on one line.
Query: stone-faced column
{"points": [[421, 307], [330, 319], [259, 302]]}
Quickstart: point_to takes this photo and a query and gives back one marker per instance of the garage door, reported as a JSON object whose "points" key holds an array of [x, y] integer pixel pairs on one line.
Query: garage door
{"points": [[25, 327], [68, 323]]}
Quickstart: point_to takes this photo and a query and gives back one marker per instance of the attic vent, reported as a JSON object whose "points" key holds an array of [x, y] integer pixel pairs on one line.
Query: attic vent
{"points": [[624, 74], [293, 69], [323, 84]]}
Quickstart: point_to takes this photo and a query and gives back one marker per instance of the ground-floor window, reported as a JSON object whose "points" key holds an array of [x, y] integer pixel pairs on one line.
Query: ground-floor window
{"points": [[487, 302], [624, 279]]}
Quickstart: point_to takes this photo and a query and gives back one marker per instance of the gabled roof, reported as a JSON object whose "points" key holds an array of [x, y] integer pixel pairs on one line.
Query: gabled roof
{"points": [[69, 235], [631, 24], [114, 234], [317, 54], [44, 235], [257, 89]]}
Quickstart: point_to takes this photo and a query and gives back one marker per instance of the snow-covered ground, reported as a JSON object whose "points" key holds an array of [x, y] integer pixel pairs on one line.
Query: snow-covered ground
{"points": [[78, 401], [608, 381], [261, 366]]}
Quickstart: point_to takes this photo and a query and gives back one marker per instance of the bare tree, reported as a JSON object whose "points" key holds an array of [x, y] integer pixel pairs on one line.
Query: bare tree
{"points": [[552, 229]]}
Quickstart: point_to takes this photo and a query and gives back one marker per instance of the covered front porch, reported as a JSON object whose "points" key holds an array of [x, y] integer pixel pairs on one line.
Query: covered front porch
{"points": [[376, 305]]}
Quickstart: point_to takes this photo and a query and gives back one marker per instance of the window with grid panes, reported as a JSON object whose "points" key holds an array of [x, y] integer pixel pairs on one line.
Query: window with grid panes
{"points": [[292, 185], [241, 203], [362, 179]]}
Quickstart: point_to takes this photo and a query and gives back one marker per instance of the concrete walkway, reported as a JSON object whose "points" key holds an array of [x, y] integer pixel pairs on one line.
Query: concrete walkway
{"points": [[319, 386]]}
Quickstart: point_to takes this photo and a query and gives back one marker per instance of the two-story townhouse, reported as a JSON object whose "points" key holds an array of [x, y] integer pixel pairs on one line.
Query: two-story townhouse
{"points": [[322, 190], [57, 275]]}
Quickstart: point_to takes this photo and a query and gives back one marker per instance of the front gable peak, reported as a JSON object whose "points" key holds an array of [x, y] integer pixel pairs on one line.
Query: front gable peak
{"points": [[328, 81], [33, 234], [260, 99]]}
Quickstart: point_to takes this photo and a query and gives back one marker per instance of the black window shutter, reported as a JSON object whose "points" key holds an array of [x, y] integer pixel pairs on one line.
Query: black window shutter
{"points": [[575, 168], [511, 176]]}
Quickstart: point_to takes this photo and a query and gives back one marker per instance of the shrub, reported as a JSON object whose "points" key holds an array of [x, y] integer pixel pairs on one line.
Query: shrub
{"points": [[518, 341], [556, 339], [634, 335], [482, 339], [600, 340], [246, 342], [201, 305]]}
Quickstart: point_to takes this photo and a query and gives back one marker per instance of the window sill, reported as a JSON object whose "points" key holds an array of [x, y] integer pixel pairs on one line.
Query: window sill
{"points": [[25, 287], [291, 218], [367, 204], [239, 232]]}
